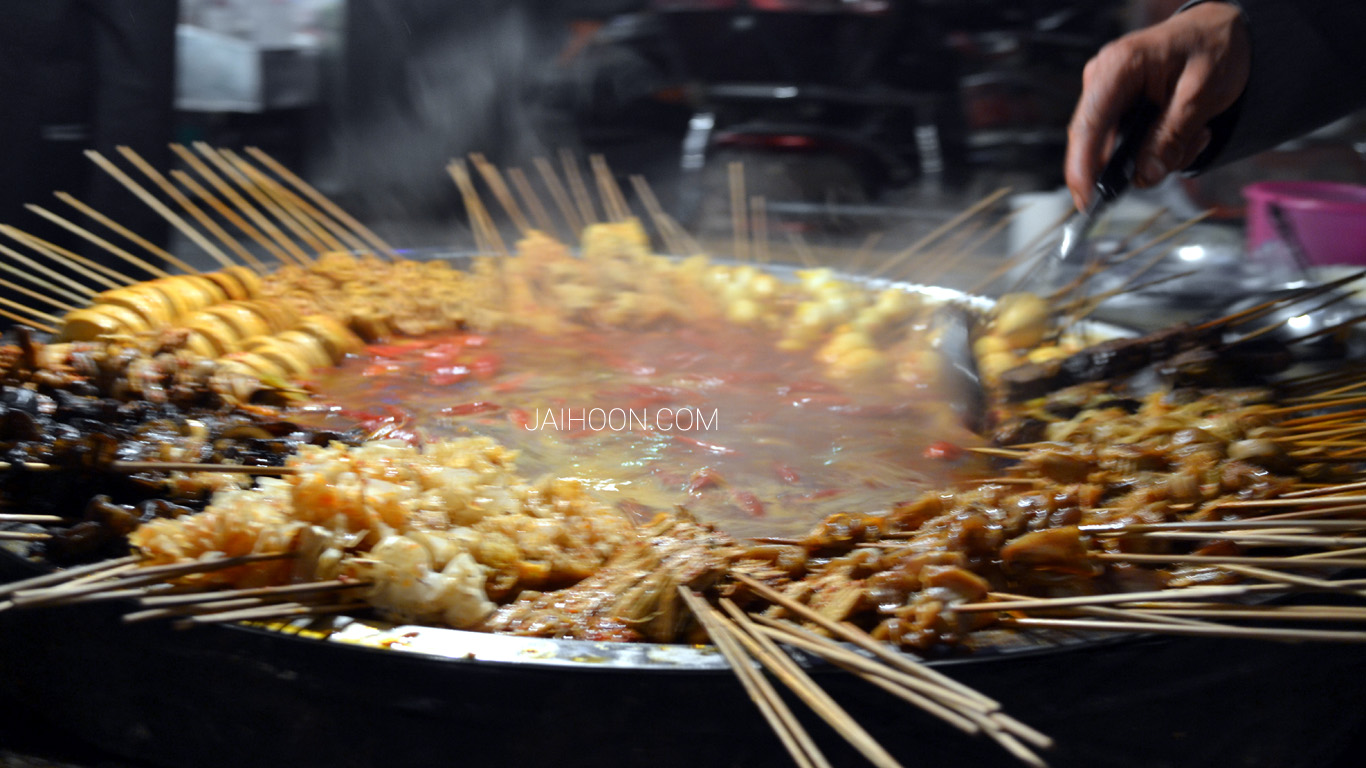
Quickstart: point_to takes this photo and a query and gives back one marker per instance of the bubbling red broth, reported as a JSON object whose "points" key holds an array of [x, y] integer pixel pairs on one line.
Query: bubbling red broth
{"points": [[708, 417]]}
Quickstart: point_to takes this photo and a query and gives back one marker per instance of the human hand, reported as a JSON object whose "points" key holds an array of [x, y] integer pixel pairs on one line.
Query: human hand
{"points": [[1193, 66]]}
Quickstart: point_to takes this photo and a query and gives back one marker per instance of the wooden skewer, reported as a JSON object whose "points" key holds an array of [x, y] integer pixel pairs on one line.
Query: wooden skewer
{"points": [[181, 611], [187, 181], [954, 258], [291, 206], [1354, 385], [1297, 501], [1261, 538], [771, 705], [241, 174], [941, 230], [166, 213], [1143, 226], [1226, 611], [1028, 253], [265, 233], [613, 202], [582, 199], [1335, 328], [1310, 431], [796, 679], [914, 689], [663, 224], [8, 518], [1282, 323], [690, 245], [107, 272], [1117, 598], [945, 252], [32, 294], [1326, 491], [39, 314], [1002, 452], [233, 594], [90, 237], [802, 248], [560, 195], [1309, 515], [322, 201], [758, 207], [72, 261], [479, 217], [1124, 529], [1281, 577], [79, 288], [59, 577], [255, 210], [189, 466], [857, 263], [275, 611], [904, 663], [501, 192], [1123, 614], [161, 466], [991, 721], [23, 536], [739, 215], [144, 576], [339, 232], [1288, 635], [1221, 560], [539, 213], [276, 199], [129, 234], [1265, 307]]}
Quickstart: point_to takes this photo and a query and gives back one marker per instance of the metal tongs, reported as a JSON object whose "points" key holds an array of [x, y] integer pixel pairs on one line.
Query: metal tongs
{"points": [[1114, 179]]}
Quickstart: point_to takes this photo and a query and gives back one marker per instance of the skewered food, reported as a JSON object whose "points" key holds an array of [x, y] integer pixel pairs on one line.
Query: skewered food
{"points": [[440, 533]]}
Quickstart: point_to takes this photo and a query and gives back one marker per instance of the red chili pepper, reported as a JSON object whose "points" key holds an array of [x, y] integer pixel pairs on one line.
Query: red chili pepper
{"points": [[821, 400], [391, 350], [359, 415], [822, 494], [942, 450], [703, 479], [787, 474], [486, 365], [446, 351], [713, 447], [451, 374], [749, 503], [465, 409], [383, 368], [873, 411], [752, 377], [512, 384], [807, 385]]}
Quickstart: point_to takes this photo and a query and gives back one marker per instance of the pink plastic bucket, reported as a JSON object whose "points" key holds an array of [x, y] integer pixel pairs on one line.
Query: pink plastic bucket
{"points": [[1329, 219]]}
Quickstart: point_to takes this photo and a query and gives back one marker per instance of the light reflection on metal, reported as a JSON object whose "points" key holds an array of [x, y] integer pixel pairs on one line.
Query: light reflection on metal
{"points": [[696, 140]]}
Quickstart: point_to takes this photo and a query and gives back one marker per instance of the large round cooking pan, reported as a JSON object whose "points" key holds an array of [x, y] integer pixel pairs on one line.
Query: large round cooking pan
{"points": [[251, 696]]}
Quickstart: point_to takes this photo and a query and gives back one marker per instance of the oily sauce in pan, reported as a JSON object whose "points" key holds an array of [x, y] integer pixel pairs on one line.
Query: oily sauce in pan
{"points": [[711, 418]]}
